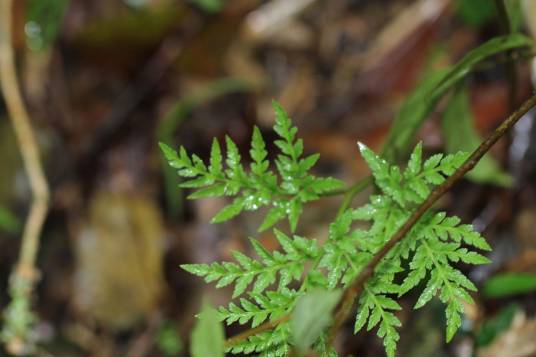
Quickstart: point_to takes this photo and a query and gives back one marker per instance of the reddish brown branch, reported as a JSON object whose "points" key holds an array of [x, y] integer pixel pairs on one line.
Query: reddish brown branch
{"points": [[357, 287]]}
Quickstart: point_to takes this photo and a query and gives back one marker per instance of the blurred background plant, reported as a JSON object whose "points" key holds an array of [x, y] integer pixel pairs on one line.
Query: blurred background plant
{"points": [[103, 81]]}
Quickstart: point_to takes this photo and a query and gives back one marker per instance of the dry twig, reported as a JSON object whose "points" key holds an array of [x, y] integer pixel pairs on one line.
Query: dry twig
{"points": [[25, 274]]}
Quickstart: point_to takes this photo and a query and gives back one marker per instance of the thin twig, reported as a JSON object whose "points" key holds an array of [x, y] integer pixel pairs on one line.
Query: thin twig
{"points": [[357, 287], [352, 192], [25, 273]]}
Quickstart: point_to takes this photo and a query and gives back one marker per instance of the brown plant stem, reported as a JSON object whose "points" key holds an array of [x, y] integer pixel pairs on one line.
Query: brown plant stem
{"points": [[357, 286], [25, 273]]}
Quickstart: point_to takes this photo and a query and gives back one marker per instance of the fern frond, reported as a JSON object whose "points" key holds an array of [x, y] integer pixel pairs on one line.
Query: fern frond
{"points": [[439, 244], [266, 344], [443, 227], [377, 308], [261, 187], [340, 255], [435, 242], [427, 255], [270, 305], [412, 185], [288, 265]]}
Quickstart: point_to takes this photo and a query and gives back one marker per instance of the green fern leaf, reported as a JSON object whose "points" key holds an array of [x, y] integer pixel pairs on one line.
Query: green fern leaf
{"points": [[216, 159], [285, 266], [229, 211]]}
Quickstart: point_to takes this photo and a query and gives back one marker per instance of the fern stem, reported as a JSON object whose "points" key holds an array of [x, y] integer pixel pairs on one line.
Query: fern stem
{"points": [[253, 331], [352, 192], [356, 288]]}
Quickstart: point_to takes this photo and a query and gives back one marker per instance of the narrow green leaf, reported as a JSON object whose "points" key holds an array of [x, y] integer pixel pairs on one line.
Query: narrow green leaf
{"points": [[274, 215], [475, 12], [361, 318], [216, 159], [196, 269], [233, 155], [168, 339], [428, 292], [208, 335], [295, 212], [453, 313], [282, 122], [229, 211], [412, 113], [311, 316], [378, 166], [374, 318], [487, 49], [415, 161], [326, 184], [516, 13], [242, 284], [258, 153], [461, 135], [197, 182], [212, 6], [8, 221], [262, 252], [508, 284], [217, 190], [307, 163], [283, 127], [425, 96], [492, 327], [170, 155], [474, 258]]}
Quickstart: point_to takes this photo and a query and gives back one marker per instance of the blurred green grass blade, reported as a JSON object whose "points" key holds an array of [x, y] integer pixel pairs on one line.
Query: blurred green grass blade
{"points": [[515, 13], [475, 12], [414, 110], [8, 221], [461, 135], [43, 22], [487, 49], [168, 339], [212, 6], [208, 337], [425, 96], [311, 316], [492, 327], [508, 284], [481, 12]]}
